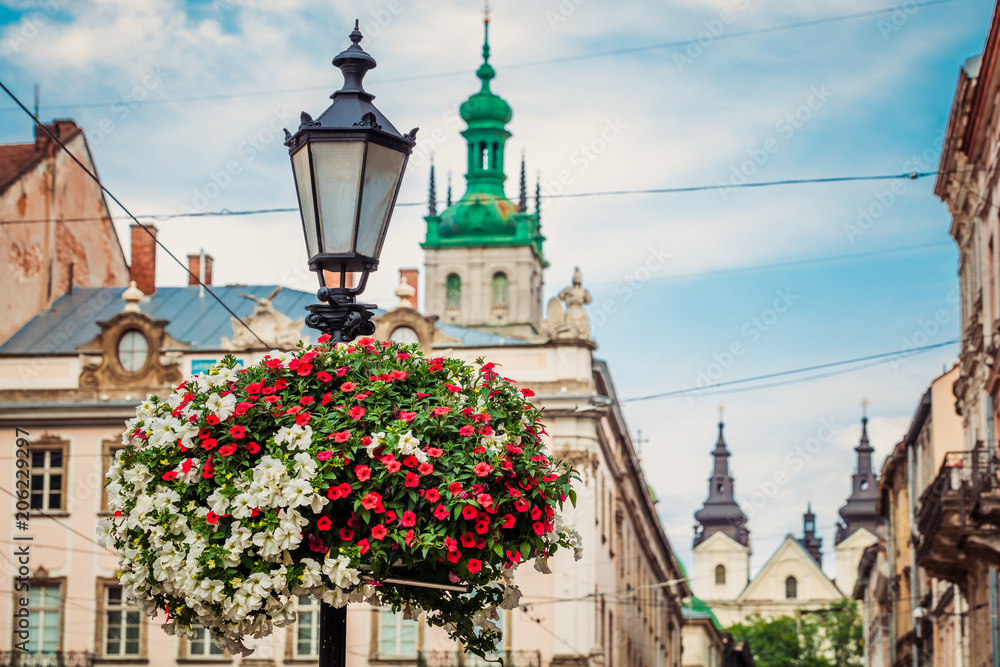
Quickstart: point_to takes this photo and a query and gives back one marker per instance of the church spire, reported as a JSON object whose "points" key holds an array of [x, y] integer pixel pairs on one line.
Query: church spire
{"points": [[522, 202], [431, 194], [721, 513], [448, 200], [538, 196], [809, 540], [859, 512]]}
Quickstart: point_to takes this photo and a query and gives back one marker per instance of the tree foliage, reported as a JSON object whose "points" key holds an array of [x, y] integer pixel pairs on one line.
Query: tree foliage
{"points": [[828, 637]]}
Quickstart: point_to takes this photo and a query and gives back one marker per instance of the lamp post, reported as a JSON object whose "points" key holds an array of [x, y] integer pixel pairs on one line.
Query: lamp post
{"points": [[348, 165]]}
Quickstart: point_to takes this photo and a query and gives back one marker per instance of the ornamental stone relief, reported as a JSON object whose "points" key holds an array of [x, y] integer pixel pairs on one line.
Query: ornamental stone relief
{"points": [[132, 350]]}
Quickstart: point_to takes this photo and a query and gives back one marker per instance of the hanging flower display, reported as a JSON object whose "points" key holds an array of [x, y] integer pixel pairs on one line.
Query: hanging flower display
{"points": [[324, 472]]}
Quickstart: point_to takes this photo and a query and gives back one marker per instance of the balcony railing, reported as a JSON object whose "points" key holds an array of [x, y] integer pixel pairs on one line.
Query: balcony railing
{"points": [[970, 473], [46, 659], [459, 659]]}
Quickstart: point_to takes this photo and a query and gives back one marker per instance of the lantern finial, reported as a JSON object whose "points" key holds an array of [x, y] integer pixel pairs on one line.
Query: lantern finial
{"points": [[354, 62]]}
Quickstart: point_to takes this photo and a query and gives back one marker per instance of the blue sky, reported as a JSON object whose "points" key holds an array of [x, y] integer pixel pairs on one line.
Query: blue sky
{"points": [[859, 97]]}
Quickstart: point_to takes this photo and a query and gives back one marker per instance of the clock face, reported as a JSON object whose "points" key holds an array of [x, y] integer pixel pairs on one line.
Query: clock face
{"points": [[404, 335], [133, 348]]}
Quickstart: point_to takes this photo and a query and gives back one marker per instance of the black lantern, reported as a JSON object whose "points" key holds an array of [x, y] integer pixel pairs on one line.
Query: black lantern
{"points": [[348, 165]]}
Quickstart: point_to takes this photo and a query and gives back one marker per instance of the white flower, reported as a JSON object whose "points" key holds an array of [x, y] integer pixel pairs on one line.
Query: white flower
{"points": [[305, 465], [220, 376], [266, 543], [318, 502], [297, 492], [217, 502], [297, 437], [311, 576], [242, 506], [377, 440], [105, 532], [221, 406]]}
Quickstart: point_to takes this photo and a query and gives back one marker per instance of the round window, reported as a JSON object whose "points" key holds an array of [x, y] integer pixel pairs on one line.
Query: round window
{"points": [[404, 335], [133, 348]]}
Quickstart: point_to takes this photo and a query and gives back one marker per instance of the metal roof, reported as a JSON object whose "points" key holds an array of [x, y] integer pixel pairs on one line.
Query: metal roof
{"points": [[197, 320]]}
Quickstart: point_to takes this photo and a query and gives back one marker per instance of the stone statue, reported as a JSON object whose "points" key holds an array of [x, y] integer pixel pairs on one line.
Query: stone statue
{"points": [[571, 323], [276, 328]]}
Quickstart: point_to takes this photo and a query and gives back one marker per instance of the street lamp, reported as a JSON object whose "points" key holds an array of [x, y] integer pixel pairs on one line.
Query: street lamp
{"points": [[348, 165]]}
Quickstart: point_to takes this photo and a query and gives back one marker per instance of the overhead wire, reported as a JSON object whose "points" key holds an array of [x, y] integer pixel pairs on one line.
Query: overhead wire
{"points": [[146, 229], [726, 36]]}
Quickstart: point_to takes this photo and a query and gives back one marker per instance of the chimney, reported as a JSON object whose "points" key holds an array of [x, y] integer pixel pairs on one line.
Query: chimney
{"points": [[143, 267], [411, 276], [194, 266], [332, 279]]}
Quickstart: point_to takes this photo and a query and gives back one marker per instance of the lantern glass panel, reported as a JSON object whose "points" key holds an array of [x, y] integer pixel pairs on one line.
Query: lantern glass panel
{"points": [[337, 167], [383, 169], [303, 183]]}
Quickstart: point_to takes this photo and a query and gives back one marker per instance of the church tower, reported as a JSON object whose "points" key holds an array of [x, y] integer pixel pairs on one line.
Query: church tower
{"points": [[722, 539], [809, 541], [483, 253], [859, 512]]}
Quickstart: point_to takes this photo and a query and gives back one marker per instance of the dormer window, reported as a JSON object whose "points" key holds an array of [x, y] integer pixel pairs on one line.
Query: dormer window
{"points": [[133, 348]]}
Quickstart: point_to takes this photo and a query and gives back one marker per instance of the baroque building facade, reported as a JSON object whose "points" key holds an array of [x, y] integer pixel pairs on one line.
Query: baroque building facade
{"points": [[72, 374]]}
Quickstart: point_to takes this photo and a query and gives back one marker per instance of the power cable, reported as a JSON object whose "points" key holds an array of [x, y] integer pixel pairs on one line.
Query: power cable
{"points": [[804, 369], [532, 63], [913, 175], [146, 229]]}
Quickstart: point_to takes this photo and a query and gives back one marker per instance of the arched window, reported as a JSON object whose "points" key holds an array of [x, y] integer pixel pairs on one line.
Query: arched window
{"points": [[453, 291], [791, 588], [500, 289], [720, 574]]}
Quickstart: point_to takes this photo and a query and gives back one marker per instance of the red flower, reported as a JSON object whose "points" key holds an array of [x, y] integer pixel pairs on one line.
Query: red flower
{"points": [[454, 556], [342, 436], [403, 355], [186, 466], [521, 505], [212, 518], [390, 516], [227, 450], [483, 469], [212, 420], [411, 480], [324, 523], [527, 392], [304, 369], [364, 473], [440, 512], [371, 500], [409, 537], [421, 394], [323, 376], [237, 432], [407, 416], [507, 521], [468, 540], [475, 565], [241, 408], [170, 474], [253, 447], [538, 527], [306, 400], [432, 495], [346, 533], [324, 455], [303, 419], [325, 338], [210, 443], [327, 397], [339, 491], [393, 466], [398, 375], [410, 461], [357, 412], [364, 546], [440, 411], [467, 430], [348, 386], [434, 452], [536, 513], [425, 468], [453, 388], [450, 544], [378, 532], [409, 519], [485, 499], [469, 512]]}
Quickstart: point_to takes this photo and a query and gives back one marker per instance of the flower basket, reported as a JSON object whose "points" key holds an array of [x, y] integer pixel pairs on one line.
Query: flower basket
{"points": [[336, 472]]}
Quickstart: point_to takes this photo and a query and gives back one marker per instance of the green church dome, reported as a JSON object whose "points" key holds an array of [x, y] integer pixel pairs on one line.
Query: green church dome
{"points": [[477, 215]]}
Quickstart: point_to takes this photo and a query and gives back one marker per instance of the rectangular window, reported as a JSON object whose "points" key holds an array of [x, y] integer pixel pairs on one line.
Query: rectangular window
{"points": [[307, 627], [47, 479], [44, 617], [122, 625], [397, 637], [202, 646]]}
